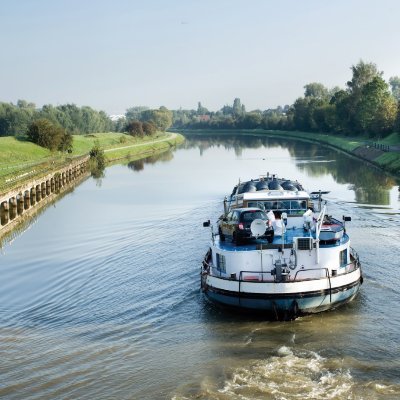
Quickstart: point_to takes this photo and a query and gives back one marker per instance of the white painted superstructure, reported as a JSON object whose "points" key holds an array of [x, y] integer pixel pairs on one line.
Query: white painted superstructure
{"points": [[308, 267]]}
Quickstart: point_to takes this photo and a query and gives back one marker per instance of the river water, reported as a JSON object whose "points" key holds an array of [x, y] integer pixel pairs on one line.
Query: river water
{"points": [[100, 297]]}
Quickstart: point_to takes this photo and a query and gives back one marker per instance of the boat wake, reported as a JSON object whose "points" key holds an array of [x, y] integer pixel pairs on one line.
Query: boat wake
{"points": [[291, 374]]}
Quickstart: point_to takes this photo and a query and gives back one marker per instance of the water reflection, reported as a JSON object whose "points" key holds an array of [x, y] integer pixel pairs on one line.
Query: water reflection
{"points": [[370, 185], [138, 165]]}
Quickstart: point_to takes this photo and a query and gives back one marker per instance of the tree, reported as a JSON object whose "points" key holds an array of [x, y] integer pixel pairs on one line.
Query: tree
{"points": [[325, 117], [4, 120], [119, 125], [274, 119], [25, 104], [303, 113], [46, 134], [201, 110], [135, 128], [66, 142], [316, 90], [363, 73], [14, 120], [333, 91], [394, 82], [161, 118], [135, 113], [149, 128], [347, 102], [227, 110], [343, 104], [397, 124], [377, 109], [97, 160], [76, 119], [251, 120], [238, 109]]}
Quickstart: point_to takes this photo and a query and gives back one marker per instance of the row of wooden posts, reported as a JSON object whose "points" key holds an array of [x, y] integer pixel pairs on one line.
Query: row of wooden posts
{"points": [[32, 196]]}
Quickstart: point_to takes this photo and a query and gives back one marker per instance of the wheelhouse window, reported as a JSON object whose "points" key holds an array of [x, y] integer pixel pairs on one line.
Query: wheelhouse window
{"points": [[292, 207], [221, 264], [343, 258]]}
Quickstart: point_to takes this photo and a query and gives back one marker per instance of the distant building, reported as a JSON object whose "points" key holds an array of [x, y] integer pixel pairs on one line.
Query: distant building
{"points": [[117, 117], [204, 118]]}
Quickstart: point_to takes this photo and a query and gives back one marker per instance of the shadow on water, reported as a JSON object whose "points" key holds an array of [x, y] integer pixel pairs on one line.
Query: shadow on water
{"points": [[214, 312], [138, 165]]}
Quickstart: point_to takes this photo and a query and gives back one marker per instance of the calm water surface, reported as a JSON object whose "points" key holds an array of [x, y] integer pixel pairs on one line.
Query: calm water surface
{"points": [[100, 298]]}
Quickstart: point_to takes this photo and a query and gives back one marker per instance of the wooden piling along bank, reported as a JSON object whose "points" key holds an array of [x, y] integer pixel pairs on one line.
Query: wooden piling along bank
{"points": [[30, 197]]}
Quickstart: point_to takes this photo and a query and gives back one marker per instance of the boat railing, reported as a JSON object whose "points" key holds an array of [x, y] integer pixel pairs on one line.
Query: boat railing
{"points": [[348, 268], [268, 276], [325, 270], [256, 276]]}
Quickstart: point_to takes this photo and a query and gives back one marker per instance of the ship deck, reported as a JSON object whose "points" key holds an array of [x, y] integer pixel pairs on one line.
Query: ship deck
{"points": [[285, 240]]}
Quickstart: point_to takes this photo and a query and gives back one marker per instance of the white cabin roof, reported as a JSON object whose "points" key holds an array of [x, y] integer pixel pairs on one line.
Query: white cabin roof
{"points": [[276, 194]]}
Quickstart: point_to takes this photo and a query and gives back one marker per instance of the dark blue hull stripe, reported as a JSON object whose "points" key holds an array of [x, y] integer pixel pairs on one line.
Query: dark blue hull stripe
{"points": [[275, 296], [306, 302]]}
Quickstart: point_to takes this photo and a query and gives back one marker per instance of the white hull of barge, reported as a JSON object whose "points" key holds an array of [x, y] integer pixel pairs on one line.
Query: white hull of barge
{"points": [[307, 267], [287, 299], [315, 280]]}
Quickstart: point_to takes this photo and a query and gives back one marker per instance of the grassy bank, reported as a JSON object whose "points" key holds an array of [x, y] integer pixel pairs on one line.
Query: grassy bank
{"points": [[360, 146], [21, 160], [82, 144], [157, 145]]}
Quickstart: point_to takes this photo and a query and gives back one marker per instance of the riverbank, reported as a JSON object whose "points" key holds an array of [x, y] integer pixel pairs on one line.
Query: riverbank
{"points": [[142, 150], [384, 154], [34, 186], [22, 161]]}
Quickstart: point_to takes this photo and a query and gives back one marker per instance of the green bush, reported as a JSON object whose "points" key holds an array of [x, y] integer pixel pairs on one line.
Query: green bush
{"points": [[46, 134], [149, 128], [97, 156], [135, 128]]}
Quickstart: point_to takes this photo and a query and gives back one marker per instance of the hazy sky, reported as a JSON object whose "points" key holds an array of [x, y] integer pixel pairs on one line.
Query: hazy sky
{"points": [[116, 54]]}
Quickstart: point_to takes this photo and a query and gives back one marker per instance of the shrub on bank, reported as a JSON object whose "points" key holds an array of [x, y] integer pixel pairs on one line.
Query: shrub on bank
{"points": [[46, 134], [97, 155], [141, 129]]}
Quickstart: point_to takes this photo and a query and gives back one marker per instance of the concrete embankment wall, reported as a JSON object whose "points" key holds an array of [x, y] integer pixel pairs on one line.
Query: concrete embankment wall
{"points": [[19, 203]]}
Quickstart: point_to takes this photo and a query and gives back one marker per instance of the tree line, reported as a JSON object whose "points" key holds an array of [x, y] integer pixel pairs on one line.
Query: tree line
{"points": [[231, 117], [367, 105], [16, 119], [53, 126]]}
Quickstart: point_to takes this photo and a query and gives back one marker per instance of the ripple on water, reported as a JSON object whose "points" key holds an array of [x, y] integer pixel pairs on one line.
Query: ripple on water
{"points": [[124, 271], [112, 309]]}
